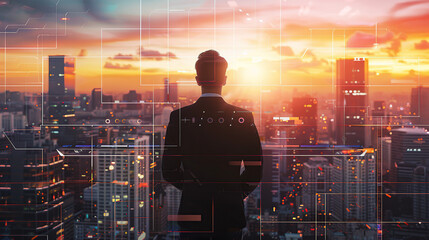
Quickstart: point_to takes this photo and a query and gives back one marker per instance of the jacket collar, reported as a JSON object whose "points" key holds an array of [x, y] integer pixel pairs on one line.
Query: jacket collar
{"points": [[210, 95], [210, 99]]}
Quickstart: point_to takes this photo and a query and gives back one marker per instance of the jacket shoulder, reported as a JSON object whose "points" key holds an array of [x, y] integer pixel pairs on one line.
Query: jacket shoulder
{"points": [[242, 114], [181, 111], [240, 110]]}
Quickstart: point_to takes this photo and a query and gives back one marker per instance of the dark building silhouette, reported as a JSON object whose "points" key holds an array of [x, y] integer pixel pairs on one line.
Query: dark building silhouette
{"points": [[133, 100], [33, 199], [270, 186], [421, 190], [84, 101], [60, 97], [351, 102], [170, 91], [306, 109], [86, 226], [61, 88], [11, 101], [77, 176], [409, 149], [97, 100], [420, 105], [379, 109]]}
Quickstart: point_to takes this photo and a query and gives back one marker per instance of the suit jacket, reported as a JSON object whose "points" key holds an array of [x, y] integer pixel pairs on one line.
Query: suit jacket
{"points": [[213, 154]]}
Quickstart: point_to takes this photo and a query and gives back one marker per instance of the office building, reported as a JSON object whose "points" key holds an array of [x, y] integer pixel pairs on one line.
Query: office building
{"points": [[305, 108], [409, 148], [421, 193], [61, 89], [122, 174], [11, 121], [419, 108], [132, 100], [270, 186], [353, 196], [386, 155], [170, 91], [316, 180], [33, 200], [351, 102]]}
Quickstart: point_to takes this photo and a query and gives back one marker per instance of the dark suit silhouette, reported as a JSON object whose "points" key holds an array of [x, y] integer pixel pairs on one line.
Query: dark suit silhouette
{"points": [[206, 146]]}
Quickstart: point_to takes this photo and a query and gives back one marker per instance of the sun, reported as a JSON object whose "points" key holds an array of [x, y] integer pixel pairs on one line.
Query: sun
{"points": [[253, 74]]}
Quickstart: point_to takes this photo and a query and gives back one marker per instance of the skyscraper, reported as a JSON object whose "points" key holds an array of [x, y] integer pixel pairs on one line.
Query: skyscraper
{"points": [[316, 179], [61, 96], [270, 186], [386, 155], [170, 91], [132, 98], [61, 87], [306, 109], [420, 105], [421, 193], [352, 102], [100, 101], [409, 149], [123, 193], [33, 200], [353, 196]]}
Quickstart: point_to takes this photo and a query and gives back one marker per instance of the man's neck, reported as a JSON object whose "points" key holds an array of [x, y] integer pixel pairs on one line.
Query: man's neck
{"points": [[215, 90]]}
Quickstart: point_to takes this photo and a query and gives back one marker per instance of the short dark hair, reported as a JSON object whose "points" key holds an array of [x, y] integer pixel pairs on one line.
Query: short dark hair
{"points": [[211, 69]]}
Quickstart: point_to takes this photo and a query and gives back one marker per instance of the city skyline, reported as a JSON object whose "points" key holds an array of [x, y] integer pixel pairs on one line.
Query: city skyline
{"points": [[335, 93]]}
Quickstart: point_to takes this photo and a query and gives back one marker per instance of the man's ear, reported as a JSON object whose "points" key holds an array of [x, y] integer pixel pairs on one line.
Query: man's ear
{"points": [[196, 78], [224, 81]]}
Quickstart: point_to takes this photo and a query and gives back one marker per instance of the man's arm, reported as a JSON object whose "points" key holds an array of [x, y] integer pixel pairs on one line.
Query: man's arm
{"points": [[171, 160], [253, 161]]}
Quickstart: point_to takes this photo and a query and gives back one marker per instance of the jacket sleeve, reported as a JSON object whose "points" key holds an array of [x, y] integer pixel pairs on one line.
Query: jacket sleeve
{"points": [[172, 159], [253, 160]]}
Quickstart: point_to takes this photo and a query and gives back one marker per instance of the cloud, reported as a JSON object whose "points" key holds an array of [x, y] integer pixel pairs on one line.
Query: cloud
{"points": [[297, 64], [404, 5], [422, 45], [284, 50], [368, 53], [147, 54], [153, 70], [121, 56], [83, 53], [364, 40], [110, 65], [345, 11], [304, 64], [408, 17], [307, 54], [395, 45]]}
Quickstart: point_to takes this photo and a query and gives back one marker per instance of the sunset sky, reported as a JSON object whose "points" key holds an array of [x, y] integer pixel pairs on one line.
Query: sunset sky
{"points": [[134, 44]]}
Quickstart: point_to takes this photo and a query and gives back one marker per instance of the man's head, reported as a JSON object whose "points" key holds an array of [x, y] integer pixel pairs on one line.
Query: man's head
{"points": [[211, 70]]}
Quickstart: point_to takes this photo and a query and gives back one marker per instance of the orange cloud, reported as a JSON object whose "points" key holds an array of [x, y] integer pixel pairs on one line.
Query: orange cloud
{"points": [[365, 40], [82, 53], [284, 50], [147, 54], [395, 45], [422, 45], [110, 65]]}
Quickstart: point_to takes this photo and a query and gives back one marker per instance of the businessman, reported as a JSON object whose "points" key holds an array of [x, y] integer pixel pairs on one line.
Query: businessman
{"points": [[213, 155]]}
